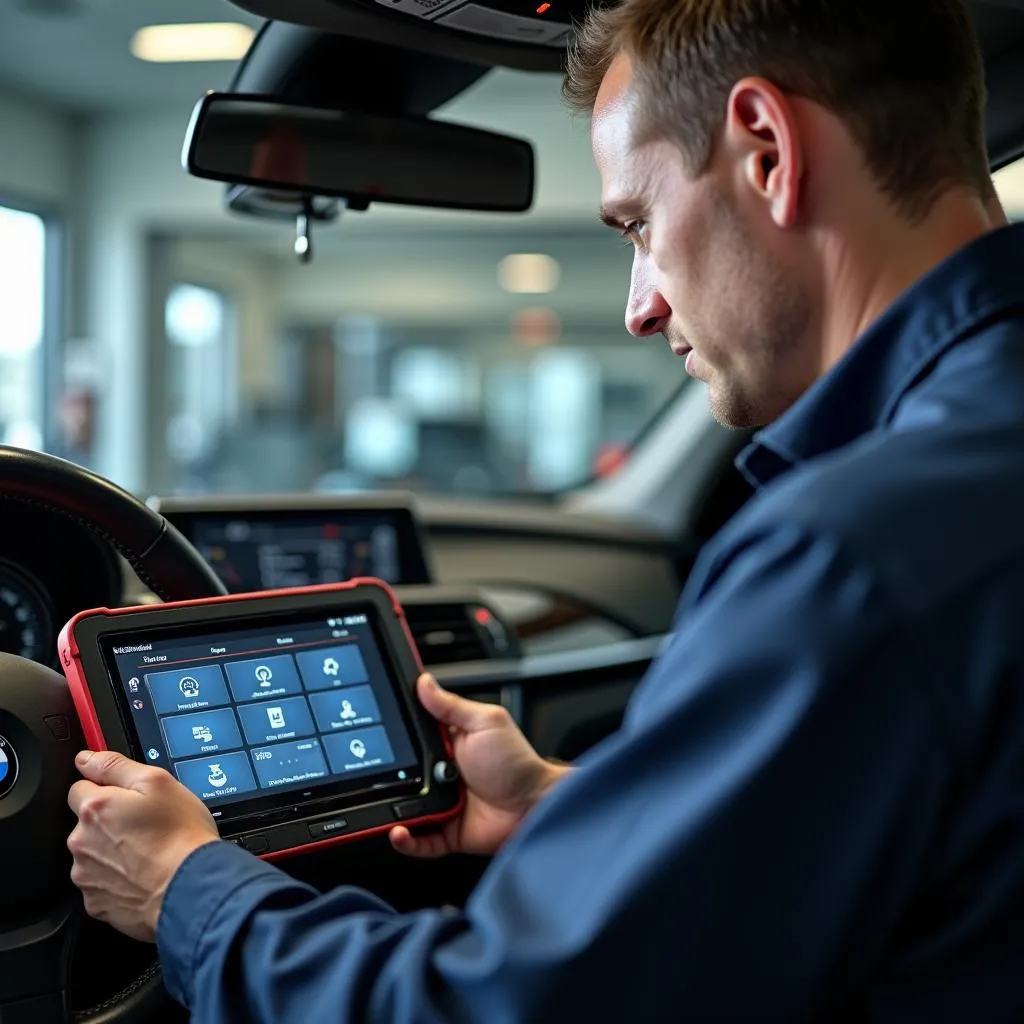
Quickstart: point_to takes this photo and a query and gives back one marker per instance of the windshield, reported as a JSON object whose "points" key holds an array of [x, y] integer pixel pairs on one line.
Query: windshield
{"points": [[178, 348], [181, 349]]}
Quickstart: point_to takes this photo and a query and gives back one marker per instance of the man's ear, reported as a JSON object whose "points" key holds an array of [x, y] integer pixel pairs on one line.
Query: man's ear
{"points": [[762, 130]]}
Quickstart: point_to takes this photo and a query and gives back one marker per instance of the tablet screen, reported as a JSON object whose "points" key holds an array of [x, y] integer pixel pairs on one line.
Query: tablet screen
{"points": [[257, 714]]}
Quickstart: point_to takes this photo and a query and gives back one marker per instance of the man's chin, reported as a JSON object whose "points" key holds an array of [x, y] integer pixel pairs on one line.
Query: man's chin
{"points": [[733, 423], [729, 410]]}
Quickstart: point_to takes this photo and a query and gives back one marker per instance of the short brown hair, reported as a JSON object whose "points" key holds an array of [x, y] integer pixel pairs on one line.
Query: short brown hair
{"points": [[905, 75]]}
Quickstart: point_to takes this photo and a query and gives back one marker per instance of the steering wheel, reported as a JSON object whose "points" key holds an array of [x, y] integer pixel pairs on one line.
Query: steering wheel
{"points": [[39, 737]]}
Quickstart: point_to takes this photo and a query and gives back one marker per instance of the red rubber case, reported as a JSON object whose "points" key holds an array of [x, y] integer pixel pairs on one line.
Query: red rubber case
{"points": [[81, 658]]}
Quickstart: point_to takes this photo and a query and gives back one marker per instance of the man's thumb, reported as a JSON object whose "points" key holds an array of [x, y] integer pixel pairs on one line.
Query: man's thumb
{"points": [[449, 708], [107, 768]]}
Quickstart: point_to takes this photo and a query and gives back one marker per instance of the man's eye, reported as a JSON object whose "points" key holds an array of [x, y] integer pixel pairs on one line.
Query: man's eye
{"points": [[635, 231]]}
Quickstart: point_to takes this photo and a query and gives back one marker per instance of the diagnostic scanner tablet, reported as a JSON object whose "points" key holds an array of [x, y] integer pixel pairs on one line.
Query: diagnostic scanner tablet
{"points": [[291, 714]]}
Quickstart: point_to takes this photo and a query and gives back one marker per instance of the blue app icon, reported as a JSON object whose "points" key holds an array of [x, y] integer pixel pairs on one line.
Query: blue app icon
{"points": [[205, 732], [263, 678], [274, 720], [363, 748], [332, 667], [217, 777], [345, 709], [287, 763], [188, 689]]}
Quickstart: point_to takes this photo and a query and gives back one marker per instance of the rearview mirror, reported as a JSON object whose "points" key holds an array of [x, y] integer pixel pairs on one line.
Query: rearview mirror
{"points": [[363, 158]]}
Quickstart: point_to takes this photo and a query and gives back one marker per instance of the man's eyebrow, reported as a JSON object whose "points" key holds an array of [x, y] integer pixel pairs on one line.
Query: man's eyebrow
{"points": [[606, 216]]}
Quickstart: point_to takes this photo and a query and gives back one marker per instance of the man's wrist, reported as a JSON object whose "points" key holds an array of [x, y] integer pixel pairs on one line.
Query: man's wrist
{"points": [[555, 771]]}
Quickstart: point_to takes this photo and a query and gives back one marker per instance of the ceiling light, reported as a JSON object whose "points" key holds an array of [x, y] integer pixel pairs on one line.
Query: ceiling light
{"points": [[528, 273], [210, 40], [1009, 184]]}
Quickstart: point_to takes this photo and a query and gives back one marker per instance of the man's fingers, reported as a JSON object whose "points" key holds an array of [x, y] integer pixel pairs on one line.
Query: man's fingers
{"points": [[79, 794], [429, 846], [450, 709], [107, 768]]}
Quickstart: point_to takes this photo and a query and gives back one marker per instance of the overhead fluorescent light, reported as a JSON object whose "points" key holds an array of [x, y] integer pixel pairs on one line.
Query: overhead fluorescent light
{"points": [[528, 273], [1009, 184], [203, 41]]}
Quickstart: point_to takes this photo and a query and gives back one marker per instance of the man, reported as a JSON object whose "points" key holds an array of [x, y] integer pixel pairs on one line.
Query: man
{"points": [[814, 808]]}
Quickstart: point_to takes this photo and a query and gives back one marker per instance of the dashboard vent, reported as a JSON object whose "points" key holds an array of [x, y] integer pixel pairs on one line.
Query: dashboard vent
{"points": [[446, 633]]}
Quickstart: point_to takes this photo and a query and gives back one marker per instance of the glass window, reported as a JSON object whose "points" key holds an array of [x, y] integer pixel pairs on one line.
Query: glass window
{"points": [[1009, 184], [199, 386], [477, 362], [22, 328], [418, 350]]}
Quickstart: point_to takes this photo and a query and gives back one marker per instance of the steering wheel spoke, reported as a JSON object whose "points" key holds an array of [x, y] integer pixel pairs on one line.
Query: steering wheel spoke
{"points": [[34, 967]]}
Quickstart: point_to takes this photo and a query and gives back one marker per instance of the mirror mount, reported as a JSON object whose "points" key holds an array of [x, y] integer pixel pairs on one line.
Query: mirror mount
{"points": [[304, 235], [304, 230], [274, 204]]}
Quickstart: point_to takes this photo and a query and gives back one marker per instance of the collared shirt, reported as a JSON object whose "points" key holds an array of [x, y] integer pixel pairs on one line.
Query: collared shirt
{"points": [[814, 810]]}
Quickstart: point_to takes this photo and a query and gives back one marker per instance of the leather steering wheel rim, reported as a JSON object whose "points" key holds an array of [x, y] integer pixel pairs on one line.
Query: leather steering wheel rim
{"points": [[158, 554], [136, 1003], [161, 558]]}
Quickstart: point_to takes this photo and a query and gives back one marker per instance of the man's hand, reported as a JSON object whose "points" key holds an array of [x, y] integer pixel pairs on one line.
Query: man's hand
{"points": [[136, 825], [504, 776]]}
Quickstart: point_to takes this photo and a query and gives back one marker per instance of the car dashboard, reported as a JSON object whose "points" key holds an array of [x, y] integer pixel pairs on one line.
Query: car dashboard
{"points": [[553, 619], [554, 616], [505, 610]]}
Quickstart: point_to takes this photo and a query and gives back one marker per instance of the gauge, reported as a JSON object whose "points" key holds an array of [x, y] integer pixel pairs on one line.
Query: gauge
{"points": [[25, 628]]}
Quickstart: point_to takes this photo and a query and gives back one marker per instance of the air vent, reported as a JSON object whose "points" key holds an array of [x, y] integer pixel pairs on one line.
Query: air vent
{"points": [[446, 633]]}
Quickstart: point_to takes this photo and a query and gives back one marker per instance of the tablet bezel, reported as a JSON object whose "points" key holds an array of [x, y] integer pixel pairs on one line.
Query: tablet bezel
{"points": [[103, 710]]}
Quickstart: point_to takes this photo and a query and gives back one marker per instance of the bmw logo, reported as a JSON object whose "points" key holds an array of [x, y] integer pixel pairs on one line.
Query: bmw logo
{"points": [[8, 767]]}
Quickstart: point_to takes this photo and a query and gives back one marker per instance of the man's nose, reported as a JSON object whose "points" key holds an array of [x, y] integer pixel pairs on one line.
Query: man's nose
{"points": [[647, 312]]}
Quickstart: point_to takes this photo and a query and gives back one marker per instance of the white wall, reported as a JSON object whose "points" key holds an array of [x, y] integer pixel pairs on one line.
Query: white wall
{"points": [[36, 153], [253, 286], [131, 182]]}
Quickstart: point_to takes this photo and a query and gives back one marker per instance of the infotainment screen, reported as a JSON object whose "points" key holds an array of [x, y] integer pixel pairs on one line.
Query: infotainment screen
{"points": [[254, 716], [275, 550]]}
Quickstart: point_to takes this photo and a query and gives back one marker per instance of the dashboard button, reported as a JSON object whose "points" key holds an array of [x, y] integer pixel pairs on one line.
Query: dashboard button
{"points": [[323, 829], [409, 809], [254, 844], [445, 771], [58, 726]]}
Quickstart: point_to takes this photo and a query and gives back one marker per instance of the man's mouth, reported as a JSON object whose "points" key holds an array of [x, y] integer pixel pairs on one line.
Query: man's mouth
{"points": [[679, 348]]}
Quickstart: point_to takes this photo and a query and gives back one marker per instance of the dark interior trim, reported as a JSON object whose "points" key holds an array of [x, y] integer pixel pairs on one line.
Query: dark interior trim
{"points": [[624, 654]]}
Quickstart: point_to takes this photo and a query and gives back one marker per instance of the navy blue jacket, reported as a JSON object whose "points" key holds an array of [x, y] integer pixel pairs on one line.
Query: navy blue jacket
{"points": [[815, 807]]}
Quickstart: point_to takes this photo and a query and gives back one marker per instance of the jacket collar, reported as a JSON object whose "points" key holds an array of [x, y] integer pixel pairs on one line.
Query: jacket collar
{"points": [[863, 390]]}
